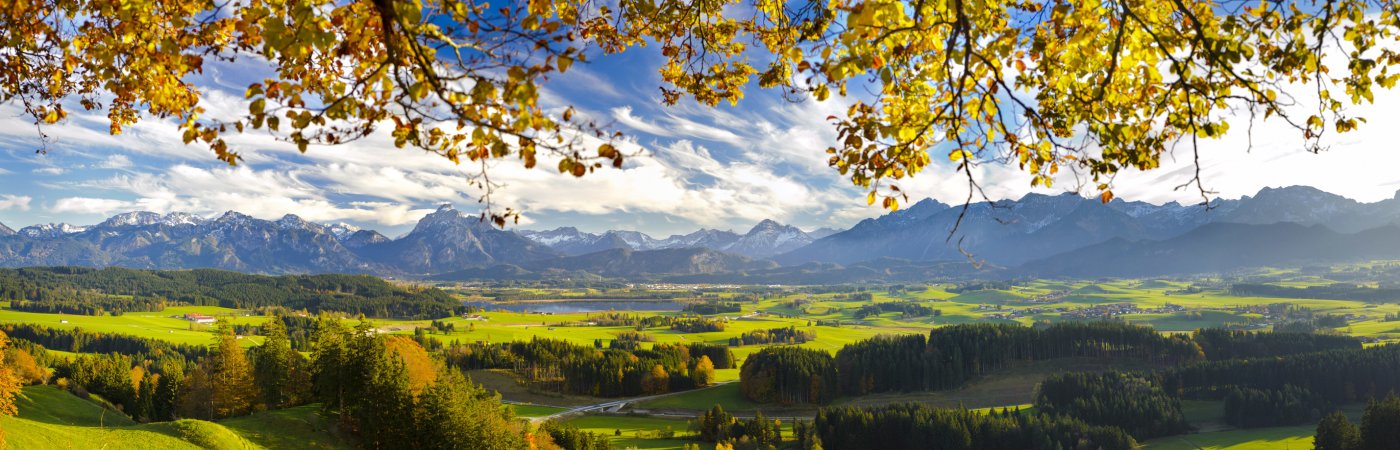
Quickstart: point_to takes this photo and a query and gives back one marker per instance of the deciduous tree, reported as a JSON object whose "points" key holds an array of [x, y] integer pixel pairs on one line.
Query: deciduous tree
{"points": [[1093, 86], [421, 369], [704, 372], [9, 383]]}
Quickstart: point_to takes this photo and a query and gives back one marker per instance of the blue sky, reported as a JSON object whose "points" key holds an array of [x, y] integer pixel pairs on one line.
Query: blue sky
{"points": [[726, 167]]}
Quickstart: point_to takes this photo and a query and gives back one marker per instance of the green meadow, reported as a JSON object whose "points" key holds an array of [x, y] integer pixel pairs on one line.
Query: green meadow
{"points": [[50, 418], [46, 411]]}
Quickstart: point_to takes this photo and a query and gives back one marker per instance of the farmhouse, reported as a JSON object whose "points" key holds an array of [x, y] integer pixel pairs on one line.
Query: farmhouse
{"points": [[199, 318]]}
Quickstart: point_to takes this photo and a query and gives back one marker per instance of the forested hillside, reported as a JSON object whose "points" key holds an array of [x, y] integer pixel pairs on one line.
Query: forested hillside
{"points": [[114, 290]]}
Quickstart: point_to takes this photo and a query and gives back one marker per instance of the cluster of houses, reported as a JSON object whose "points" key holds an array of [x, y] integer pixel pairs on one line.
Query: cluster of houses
{"points": [[1019, 313], [1052, 297], [198, 318], [1109, 311]]}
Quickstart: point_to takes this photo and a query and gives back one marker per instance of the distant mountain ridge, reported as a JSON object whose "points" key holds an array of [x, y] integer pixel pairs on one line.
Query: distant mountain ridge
{"points": [[765, 239], [1221, 247], [1036, 234], [1036, 226]]}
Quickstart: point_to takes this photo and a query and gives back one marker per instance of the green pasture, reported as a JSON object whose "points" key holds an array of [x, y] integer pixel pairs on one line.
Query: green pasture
{"points": [[164, 325], [53, 419], [623, 430], [1299, 438], [523, 410]]}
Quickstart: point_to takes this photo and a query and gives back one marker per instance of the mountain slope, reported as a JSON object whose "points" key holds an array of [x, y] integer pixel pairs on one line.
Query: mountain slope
{"points": [[447, 240], [1221, 247], [1002, 232], [629, 263], [768, 238], [616, 263]]}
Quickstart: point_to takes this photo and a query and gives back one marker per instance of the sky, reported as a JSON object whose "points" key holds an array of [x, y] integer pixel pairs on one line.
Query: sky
{"points": [[726, 167]]}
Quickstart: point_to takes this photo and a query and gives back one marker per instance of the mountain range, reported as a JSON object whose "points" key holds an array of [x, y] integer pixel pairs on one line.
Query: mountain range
{"points": [[766, 239], [1040, 235]]}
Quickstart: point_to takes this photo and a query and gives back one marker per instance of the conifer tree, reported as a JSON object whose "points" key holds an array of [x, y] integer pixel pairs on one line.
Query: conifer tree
{"points": [[1335, 432], [1380, 426], [278, 370], [455, 413], [230, 376]]}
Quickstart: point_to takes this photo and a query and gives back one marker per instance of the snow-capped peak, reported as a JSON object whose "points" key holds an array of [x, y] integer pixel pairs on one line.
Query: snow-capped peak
{"points": [[132, 219], [342, 230], [179, 218], [49, 230], [769, 238], [292, 221]]}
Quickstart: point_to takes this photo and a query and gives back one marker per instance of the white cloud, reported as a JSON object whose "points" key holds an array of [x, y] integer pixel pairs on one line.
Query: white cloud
{"points": [[115, 162], [88, 205], [15, 202], [267, 194], [714, 167]]}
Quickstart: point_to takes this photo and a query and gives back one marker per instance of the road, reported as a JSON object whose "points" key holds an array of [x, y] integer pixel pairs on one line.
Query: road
{"points": [[615, 405]]}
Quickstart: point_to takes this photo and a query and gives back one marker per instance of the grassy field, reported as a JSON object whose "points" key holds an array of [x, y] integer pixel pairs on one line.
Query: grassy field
{"points": [[50, 418], [1042, 300], [623, 430], [1278, 438], [1214, 434], [53, 419], [1212, 309], [535, 410], [299, 427], [165, 325]]}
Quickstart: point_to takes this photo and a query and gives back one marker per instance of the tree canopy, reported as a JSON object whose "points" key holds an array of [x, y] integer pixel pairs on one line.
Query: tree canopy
{"points": [[1095, 86]]}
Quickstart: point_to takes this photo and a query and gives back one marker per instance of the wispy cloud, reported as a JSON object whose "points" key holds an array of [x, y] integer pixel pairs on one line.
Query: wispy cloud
{"points": [[724, 167], [89, 205], [15, 202]]}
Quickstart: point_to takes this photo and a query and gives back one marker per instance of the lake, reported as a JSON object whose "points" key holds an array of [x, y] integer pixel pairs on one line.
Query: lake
{"points": [[580, 306]]}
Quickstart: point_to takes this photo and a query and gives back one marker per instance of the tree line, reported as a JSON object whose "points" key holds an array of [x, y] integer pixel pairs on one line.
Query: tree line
{"points": [[1222, 344], [905, 309], [1335, 291], [78, 340], [718, 426], [951, 356], [918, 426], [713, 307], [1258, 392], [113, 290], [562, 366], [698, 325], [785, 335]]}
